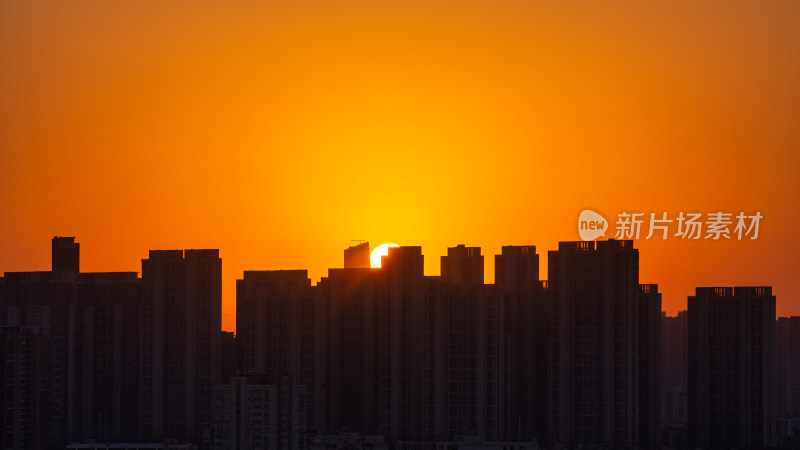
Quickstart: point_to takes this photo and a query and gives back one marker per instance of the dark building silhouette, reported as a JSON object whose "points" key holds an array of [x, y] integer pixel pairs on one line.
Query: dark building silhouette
{"points": [[181, 321], [463, 266], [357, 256], [526, 327], [280, 332], [673, 384], [91, 324], [442, 351], [229, 353], [787, 380], [109, 399], [595, 369], [401, 344], [650, 369], [517, 268], [351, 299], [584, 359], [431, 357], [49, 300], [731, 361], [24, 387], [787, 337], [466, 344], [66, 254], [468, 320], [391, 351], [259, 412]]}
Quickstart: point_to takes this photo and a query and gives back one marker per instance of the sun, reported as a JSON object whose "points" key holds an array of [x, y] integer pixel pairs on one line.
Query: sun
{"points": [[375, 256]]}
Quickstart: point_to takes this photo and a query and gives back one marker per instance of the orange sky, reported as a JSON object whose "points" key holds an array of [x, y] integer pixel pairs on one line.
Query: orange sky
{"points": [[278, 131]]}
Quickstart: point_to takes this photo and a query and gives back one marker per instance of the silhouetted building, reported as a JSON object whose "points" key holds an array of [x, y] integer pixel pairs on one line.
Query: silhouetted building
{"points": [[259, 412], [228, 355], [649, 366], [109, 396], [49, 300], [415, 357], [357, 256], [517, 268], [594, 368], [787, 381], [525, 329], [584, 359], [463, 266], [91, 321], [280, 332], [787, 340], [66, 254], [673, 385], [731, 367], [181, 320], [401, 344], [427, 357], [24, 388], [468, 318], [351, 302]]}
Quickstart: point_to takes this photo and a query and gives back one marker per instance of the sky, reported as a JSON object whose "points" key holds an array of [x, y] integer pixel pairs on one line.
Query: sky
{"points": [[279, 131]]}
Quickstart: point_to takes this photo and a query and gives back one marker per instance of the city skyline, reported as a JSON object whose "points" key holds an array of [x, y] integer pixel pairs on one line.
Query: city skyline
{"points": [[280, 131], [229, 307], [399, 225], [585, 357]]}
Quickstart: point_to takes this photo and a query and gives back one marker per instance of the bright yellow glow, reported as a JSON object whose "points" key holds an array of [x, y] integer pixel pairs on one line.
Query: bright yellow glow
{"points": [[375, 256]]}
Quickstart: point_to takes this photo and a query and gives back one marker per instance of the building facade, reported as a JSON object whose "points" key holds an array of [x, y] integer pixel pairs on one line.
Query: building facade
{"points": [[259, 412], [24, 384], [594, 366], [181, 320], [731, 363]]}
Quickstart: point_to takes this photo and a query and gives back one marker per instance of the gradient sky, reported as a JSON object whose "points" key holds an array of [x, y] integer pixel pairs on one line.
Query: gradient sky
{"points": [[279, 131]]}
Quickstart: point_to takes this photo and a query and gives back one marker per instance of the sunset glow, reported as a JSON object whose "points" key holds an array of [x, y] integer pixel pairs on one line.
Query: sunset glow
{"points": [[379, 252]]}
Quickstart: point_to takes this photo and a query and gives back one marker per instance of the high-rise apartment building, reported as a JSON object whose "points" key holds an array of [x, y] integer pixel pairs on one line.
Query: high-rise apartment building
{"points": [[526, 327], [181, 320], [650, 370], [91, 324], [594, 366], [280, 324], [787, 337], [357, 256], [731, 367]]}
